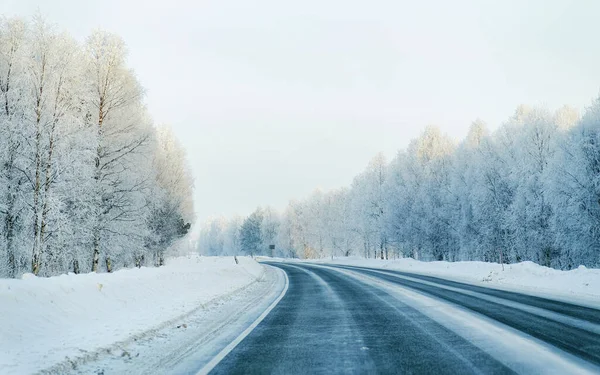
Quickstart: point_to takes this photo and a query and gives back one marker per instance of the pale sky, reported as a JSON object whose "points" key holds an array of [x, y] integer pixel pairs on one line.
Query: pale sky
{"points": [[273, 98]]}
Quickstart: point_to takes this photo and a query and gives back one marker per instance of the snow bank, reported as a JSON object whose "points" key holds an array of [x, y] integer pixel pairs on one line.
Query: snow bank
{"points": [[45, 320], [581, 285]]}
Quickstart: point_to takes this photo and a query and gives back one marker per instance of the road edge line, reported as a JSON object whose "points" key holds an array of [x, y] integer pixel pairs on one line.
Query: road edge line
{"points": [[226, 350]]}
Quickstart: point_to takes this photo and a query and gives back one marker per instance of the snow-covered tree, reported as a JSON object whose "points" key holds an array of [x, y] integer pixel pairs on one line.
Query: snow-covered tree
{"points": [[84, 174], [251, 234], [575, 194]]}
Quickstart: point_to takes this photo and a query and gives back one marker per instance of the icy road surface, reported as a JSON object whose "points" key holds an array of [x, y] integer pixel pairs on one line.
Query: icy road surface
{"points": [[338, 319]]}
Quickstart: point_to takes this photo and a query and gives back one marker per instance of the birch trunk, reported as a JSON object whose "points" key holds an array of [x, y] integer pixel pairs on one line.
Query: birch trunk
{"points": [[36, 259]]}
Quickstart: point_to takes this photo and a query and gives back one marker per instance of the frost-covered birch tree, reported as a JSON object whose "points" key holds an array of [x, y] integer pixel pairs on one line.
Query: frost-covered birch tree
{"points": [[527, 191], [83, 172]]}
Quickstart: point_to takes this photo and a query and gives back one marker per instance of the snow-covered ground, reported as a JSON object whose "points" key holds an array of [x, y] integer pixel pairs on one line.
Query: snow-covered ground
{"points": [[49, 321], [581, 285]]}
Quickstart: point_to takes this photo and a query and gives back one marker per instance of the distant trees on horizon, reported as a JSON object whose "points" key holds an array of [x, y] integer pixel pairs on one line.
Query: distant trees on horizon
{"points": [[530, 189], [87, 182]]}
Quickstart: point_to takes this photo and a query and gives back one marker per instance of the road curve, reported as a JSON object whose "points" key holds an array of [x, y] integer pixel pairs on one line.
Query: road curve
{"points": [[330, 322]]}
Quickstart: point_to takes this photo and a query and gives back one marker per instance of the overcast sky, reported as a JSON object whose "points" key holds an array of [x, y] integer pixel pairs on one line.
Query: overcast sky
{"points": [[273, 98]]}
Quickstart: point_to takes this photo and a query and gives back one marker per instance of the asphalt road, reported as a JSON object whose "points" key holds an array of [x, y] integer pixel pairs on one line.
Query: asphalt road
{"points": [[579, 341], [330, 322]]}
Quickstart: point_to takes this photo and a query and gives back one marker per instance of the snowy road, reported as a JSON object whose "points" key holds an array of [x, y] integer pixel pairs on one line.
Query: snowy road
{"points": [[338, 319]]}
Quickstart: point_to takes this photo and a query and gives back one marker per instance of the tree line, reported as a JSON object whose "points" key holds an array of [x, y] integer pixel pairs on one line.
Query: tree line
{"points": [[87, 182], [528, 191]]}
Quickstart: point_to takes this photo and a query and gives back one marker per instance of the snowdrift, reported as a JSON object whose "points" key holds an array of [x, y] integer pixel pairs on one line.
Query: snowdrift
{"points": [[47, 320]]}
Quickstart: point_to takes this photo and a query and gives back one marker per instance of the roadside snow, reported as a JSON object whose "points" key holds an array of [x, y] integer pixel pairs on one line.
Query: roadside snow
{"points": [[49, 320], [188, 344], [581, 285]]}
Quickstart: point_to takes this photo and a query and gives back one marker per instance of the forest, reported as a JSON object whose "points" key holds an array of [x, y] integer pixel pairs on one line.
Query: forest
{"points": [[88, 183], [527, 191]]}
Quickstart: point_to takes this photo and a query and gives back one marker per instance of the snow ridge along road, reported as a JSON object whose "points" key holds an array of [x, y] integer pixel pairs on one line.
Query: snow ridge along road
{"points": [[193, 341], [170, 319], [340, 319]]}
